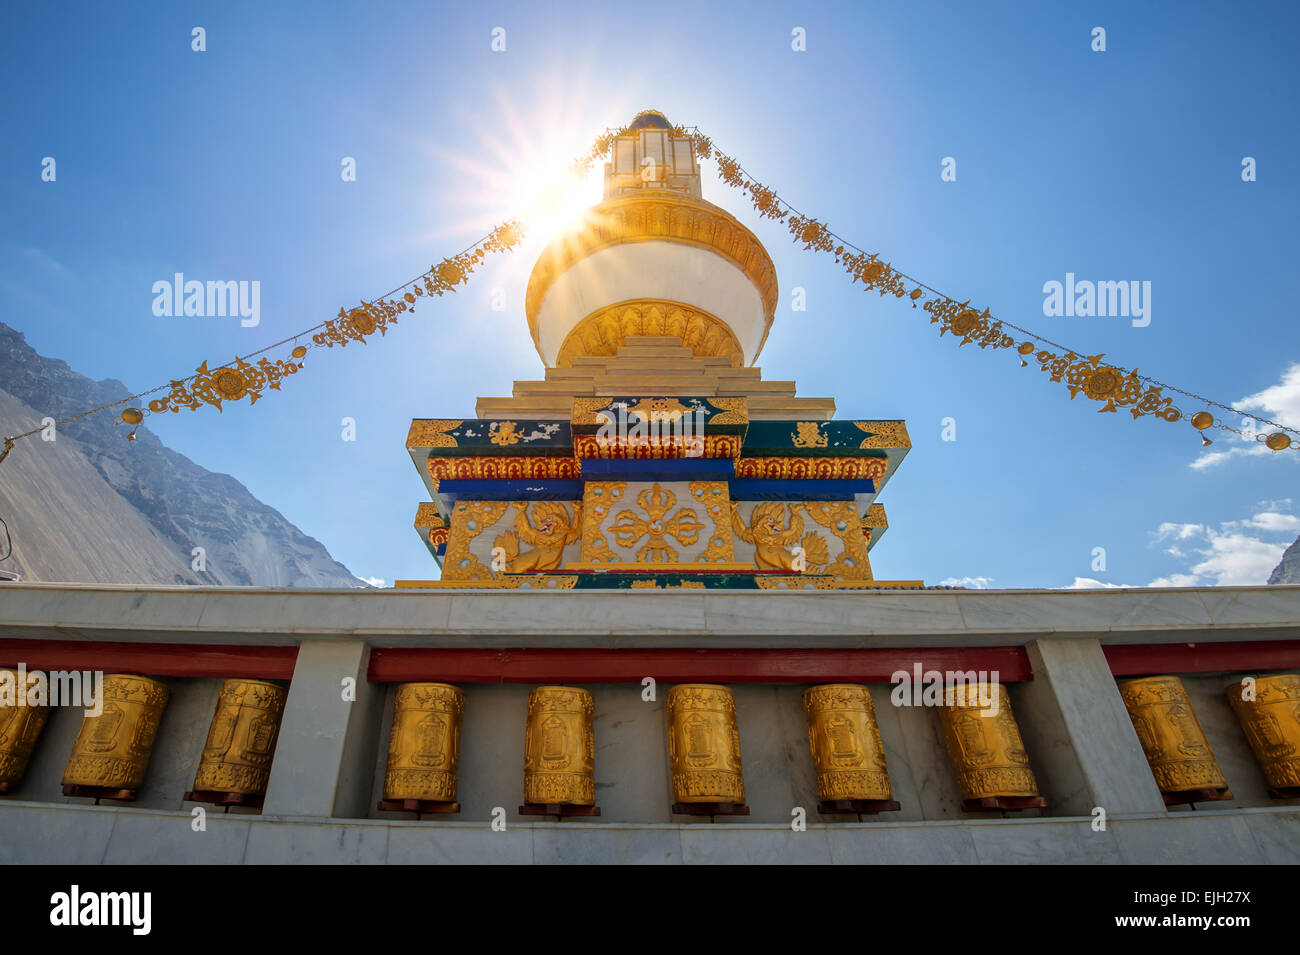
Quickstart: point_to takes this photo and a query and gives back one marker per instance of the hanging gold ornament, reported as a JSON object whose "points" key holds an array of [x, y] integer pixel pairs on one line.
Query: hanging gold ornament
{"points": [[1277, 441], [132, 415], [1202, 420]]}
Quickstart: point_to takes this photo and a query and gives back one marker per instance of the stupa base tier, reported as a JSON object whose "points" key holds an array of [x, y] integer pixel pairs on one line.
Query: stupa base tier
{"points": [[1011, 803], [251, 800], [710, 809], [1188, 796], [557, 809], [664, 580], [418, 805], [833, 807]]}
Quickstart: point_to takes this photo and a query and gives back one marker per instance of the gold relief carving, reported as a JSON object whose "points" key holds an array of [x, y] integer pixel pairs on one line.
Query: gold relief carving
{"points": [[503, 432], [424, 748], [20, 727], [800, 582], [432, 433], [241, 739], [987, 752], [468, 520], [774, 540], [658, 409], [112, 750], [821, 469], [560, 747], [875, 517], [841, 519], [545, 525], [1271, 722], [656, 446], [884, 434], [1172, 739], [847, 750], [640, 217], [715, 498], [605, 330], [428, 515], [704, 744], [541, 582], [584, 410], [510, 467], [734, 411], [599, 498], [808, 434], [684, 526]]}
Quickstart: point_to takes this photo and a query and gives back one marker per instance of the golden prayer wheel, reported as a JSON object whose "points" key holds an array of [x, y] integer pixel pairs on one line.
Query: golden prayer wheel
{"points": [[20, 725], [987, 751], [1271, 722], [241, 740], [704, 745], [111, 754], [559, 747], [847, 750], [1172, 739], [424, 748]]}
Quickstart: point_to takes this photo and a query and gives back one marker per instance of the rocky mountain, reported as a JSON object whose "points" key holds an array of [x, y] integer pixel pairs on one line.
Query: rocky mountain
{"points": [[93, 507], [1287, 570]]}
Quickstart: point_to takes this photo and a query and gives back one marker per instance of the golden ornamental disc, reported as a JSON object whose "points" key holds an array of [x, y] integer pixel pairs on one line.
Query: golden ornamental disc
{"points": [[1026, 348], [1277, 441], [1202, 420], [362, 321], [506, 236], [230, 384], [132, 415], [1102, 383], [299, 352], [408, 298], [450, 273], [965, 322]]}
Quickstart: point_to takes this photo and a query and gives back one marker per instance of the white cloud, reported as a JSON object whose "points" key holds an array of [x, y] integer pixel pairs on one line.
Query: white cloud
{"points": [[378, 582], [978, 583], [1087, 583], [1236, 553], [1280, 403]]}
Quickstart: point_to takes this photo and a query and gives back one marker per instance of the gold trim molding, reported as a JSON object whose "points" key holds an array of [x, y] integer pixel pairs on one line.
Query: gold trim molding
{"points": [[607, 329], [647, 218]]}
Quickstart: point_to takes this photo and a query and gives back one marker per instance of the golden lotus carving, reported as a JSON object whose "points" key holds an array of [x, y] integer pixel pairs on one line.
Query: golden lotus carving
{"points": [[607, 329]]}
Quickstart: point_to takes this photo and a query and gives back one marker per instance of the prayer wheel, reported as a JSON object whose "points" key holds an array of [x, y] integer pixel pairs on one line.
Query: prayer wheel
{"points": [[986, 749], [559, 747], [704, 745], [847, 750], [1180, 757], [424, 748], [20, 726], [111, 753], [236, 762], [1271, 722]]}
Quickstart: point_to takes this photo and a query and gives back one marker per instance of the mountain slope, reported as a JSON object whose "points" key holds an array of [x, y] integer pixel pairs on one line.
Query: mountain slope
{"points": [[1287, 570], [91, 506]]}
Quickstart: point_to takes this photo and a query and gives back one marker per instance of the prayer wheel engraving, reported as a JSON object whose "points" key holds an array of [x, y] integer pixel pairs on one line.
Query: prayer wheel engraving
{"points": [[704, 745], [985, 747], [424, 748], [112, 750], [20, 726], [1271, 722], [1172, 739], [847, 750], [241, 740], [560, 747]]}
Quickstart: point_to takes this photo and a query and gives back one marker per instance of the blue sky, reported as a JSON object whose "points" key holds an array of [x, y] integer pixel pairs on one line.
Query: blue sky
{"points": [[1122, 165]]}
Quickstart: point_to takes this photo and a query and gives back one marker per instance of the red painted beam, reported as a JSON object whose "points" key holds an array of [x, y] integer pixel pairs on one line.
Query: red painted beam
{"points": [[554, 665], [1151, 659], [152, 659]]}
